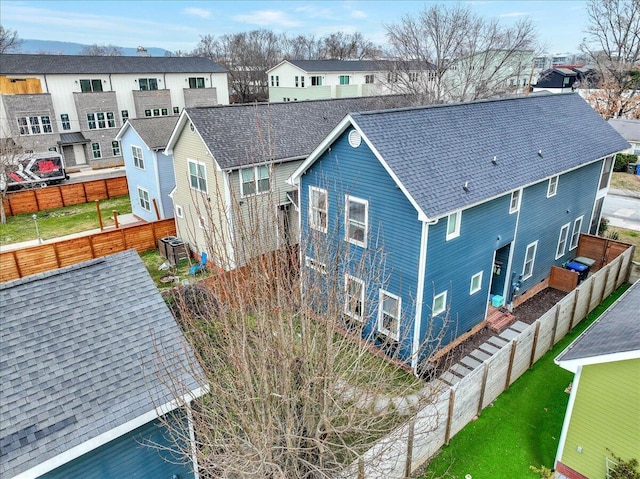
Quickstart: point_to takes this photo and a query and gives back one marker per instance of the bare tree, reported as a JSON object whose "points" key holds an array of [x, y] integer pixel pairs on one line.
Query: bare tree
{"points": [[303, 47], [613, 45], [447, 53], [9, 41], [348, 46], [10, 154], [101, 50]]}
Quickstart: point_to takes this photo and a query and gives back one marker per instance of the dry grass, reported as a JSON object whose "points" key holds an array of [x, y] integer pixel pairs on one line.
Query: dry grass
{"points": [[625, 181], [628, 236]]}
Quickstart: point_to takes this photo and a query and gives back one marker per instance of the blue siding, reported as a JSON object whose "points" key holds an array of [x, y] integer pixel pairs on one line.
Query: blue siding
{"points": [[129, 456], [167, 182], [394, 229]]}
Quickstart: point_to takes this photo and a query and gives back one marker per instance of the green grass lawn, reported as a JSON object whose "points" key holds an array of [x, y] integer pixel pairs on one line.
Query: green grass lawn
{"points": [[152, 261], [523, 426], [62, 221]]}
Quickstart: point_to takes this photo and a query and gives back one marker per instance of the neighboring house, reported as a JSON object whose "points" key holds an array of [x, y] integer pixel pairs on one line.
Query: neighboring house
{"points": [[465, 201], [556, 80], [603, 414], [149, 171], [296, 80], [630, 131], [231, 164], [76, 104], [87, 351]]}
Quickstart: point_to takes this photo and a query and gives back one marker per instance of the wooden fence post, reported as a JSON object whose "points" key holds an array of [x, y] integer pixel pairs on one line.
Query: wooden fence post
{"points": [[514, 345], [555, 327], [407, 465], [99, 214], [15, 260], [534, 345], [55, 251], [35, 200], [452, 399], [84, 192], [360, 468], [485, 373]]}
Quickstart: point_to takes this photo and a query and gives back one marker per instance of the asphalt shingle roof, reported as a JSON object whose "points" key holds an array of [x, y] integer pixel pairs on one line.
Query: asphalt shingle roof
{"points": [[629, 129], [435, 150], [78, 356], [319, 66], [25, 64], [155, 132], [245, 134], [617, 330]]}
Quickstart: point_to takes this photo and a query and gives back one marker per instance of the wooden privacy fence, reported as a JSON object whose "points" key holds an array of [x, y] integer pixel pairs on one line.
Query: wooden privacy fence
{"points": [[401, 453], [38, 199], [36, 259]]}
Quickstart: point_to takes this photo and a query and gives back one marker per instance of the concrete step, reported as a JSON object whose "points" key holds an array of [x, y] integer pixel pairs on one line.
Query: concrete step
{"points": [[480, 355], [489, 348], [469, 362], [519, 326], [460, 370]]}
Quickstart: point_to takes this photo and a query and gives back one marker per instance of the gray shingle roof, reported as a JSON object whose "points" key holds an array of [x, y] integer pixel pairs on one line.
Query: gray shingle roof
{"points": [[434, 150], [629, 129], [244, 134], [617, 330], [22, 64], [320, 66], [155, 132], [78, 356]]}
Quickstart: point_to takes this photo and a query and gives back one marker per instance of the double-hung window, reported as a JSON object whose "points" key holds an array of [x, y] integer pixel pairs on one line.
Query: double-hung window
{"points": [[115, 148], [100, 120], [356, 221], [344, 79], [552, 188], [143, 198], [64, 119], [97, 152], [318, 209], [34, 125], [514, 205], [439, 304], [562, 240], [389, 311], [453, 225], [575, 234], [354, 297], [148, 83], [529, 259], [138, 158], [197, 176], [255, 180]]}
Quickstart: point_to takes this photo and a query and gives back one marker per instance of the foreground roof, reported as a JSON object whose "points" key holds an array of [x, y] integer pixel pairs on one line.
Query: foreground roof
{"points": [[629, 129], [25, 64], [79, 356], [155, 131], [435, 150], [245, 134], [616, 331]]}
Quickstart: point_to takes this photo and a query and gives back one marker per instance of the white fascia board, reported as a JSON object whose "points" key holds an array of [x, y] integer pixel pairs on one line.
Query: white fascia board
{"points": [[279, 64], [422, 268], [567, 417], [123, 130], [176, 130], [106, 437], [573, 364]]}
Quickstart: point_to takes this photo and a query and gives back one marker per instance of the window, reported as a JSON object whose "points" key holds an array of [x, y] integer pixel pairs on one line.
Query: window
{"points": [[101, 120], [344, 79], [389, 314], [575, 234], [316, 81], [197, 176], [115, 147], [196, 82], [476, 283], [143, 198], [368, 78], [156, 112], [277, 80], [318, 209], [125, 115], [164, 112], [34, 125], [552, 189], [514, 205], [413, 76], [354, 297], [316, 265], [176, 110], [296, 82], [565, 81], [356, 212], [392, 77], [529, 258], [439, 304], [64, 119], [302, 82], [255, 180], [606, 172], [273, 83], [179, 212], [91, 85], [147, 113], [138, 159], [562, 240], [95, 148], [453, 225], [148, 83]]}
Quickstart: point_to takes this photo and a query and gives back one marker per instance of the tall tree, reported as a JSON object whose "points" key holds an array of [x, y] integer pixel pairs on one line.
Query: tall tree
{"points": [[348, 46], [9, 41], [613, 45], [101, 50]]}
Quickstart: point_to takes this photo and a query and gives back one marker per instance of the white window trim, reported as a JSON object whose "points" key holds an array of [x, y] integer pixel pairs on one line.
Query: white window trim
{"points": [[516, 208], [575, 233], [562, 240], [141, 157], [197, 163], [347, 310], [312, 209], [471, 290], [392, 334], [456, 231], [315, 265], [179, 212], [435, 312], [533, 245], [255, 181], [551, 193], [347, 200], [140, 199]]}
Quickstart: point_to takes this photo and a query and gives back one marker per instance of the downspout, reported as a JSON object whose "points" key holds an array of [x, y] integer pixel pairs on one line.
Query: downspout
{"points": [[228, 211], [157, 163], [46, 83], [422, 268], [110, 84]]}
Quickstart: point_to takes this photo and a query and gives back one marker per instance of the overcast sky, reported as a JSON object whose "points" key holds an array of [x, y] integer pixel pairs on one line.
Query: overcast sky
{"points": [[178, 25]]}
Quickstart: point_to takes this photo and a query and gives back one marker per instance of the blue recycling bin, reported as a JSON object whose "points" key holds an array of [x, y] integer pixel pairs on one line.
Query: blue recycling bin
{"points": [[581, 269]]}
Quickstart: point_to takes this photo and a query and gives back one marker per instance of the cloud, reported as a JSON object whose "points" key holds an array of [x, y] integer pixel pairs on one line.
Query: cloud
{"points": [[514, 14], [358, 14], [312, 11], [267, 17], [197, 12]]}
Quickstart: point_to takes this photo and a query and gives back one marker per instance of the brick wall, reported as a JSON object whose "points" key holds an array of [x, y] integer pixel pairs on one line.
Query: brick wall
{"points": [[195, 97]]}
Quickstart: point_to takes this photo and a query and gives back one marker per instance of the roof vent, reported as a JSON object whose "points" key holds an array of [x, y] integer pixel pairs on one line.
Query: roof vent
{"points": [[540, 153], [466, 186], [495, 160], [354, 139]]}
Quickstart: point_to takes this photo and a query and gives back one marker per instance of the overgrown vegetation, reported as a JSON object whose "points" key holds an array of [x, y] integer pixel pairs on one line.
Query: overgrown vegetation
{"points": [[625, 181], [167, 276], [622, 161], [624, 469]]}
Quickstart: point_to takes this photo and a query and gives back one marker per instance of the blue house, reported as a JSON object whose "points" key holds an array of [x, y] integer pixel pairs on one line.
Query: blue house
{"points": [[455, 205], [149, 170], [93, 367]]}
